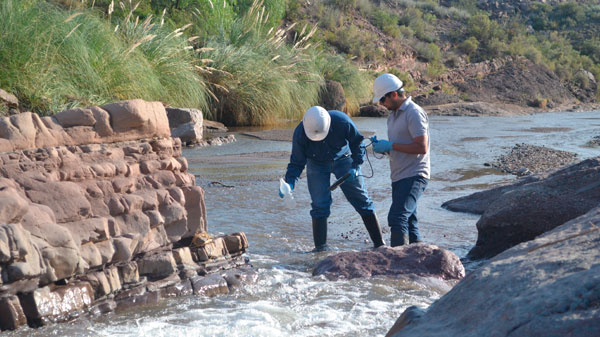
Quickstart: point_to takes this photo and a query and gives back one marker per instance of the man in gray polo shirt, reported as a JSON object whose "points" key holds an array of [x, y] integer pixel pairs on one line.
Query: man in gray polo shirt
{"points": [[408, 147]]}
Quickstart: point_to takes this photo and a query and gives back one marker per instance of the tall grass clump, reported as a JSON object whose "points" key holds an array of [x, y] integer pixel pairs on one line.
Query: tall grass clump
{"points": [[356, 84], [255, 77], [210, 17], [170, 56], [55, 59]]}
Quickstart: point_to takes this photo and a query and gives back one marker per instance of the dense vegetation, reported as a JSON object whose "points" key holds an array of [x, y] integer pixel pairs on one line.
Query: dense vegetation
{"points": [[245, 72], [252, 63]]}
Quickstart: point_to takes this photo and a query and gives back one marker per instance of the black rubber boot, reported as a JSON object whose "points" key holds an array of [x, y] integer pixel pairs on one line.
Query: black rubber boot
{"points": [[319, 226], [399, 239], [372, 225]]}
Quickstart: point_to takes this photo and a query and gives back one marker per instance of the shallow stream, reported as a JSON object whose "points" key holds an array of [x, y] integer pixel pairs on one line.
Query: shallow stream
{"points": [[241, 181]]}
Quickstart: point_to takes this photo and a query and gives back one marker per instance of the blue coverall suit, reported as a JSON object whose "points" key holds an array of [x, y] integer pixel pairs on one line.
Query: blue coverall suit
{"points": [[337, 153]]}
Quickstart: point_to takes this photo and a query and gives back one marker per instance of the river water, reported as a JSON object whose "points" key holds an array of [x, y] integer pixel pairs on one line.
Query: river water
{"points": [[241, 182]]}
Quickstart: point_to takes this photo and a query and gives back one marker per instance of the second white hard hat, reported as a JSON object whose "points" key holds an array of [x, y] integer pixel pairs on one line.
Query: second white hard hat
{"points": [[316, 123], [383, 84]]}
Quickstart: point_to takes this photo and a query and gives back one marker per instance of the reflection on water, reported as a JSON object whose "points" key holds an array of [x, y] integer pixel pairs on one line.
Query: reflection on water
{"points": [[287, 300], [466, 174]]}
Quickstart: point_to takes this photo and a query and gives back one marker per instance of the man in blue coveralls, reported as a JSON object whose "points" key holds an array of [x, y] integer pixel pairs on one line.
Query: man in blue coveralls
{"points": [[328, 142]]}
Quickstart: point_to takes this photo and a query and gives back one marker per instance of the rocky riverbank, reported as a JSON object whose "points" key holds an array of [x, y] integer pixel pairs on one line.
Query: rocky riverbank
{"points": [[531, 206], [545, 287], [98, 213], [542, 280]]}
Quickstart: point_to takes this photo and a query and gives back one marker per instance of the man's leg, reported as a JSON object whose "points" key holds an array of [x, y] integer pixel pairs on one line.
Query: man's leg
{"points": [[356, 193], [405, 193], [318, 178], [417, 190]]}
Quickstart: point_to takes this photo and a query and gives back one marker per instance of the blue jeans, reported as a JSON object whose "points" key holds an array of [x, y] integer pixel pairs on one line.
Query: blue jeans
{"points": [[402, 217], [318, 175]]}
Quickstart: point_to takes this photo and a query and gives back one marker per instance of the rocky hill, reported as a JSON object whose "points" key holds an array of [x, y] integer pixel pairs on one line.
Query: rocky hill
{"points": [[528, 53]]}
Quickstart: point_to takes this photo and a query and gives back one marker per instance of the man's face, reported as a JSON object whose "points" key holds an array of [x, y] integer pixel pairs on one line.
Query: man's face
{"points": [[391, 101]]}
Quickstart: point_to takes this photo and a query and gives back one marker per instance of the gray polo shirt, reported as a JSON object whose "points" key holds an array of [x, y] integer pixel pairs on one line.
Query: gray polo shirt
{"points": [[408, 122]]}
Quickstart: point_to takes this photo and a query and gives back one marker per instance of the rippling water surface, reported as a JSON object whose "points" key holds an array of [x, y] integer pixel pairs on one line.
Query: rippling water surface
{"points": [[241, 182]]}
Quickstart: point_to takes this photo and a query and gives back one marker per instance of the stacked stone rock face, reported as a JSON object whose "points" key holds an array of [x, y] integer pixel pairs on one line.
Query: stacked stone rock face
{"points": [[98, 211]]}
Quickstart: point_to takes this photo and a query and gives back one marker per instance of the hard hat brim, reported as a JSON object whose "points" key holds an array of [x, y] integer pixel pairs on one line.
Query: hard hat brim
{"points": [[316, 136]]}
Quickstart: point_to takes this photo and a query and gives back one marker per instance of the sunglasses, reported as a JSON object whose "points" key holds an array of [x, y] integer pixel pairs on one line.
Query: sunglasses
{"points": [[382, 99]]}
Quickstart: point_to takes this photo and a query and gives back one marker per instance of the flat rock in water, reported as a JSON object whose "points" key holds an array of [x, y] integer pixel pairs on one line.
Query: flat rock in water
{"points": [[416, 259], [526, 159]]}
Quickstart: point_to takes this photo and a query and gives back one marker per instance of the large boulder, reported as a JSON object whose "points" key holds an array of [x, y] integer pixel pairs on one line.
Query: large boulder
{"points": [[9, 99], [332, 96], [537, 207], [373, 110], [137, 118], [416, 259], [186, 124], [546, 287], [478, 202]]}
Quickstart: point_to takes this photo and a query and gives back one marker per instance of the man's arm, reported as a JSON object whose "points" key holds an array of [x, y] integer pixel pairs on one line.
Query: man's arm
{"points": [[355, 139], [418, 126], [418, 146], [297, 158]]}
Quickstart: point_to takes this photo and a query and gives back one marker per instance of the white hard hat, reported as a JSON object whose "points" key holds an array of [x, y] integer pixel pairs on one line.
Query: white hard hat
{"points": [[383, 84], [316, 123]]}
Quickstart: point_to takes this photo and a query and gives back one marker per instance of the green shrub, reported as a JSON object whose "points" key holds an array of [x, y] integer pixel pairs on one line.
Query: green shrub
{"points": [[292, 12], [435, 69], [568, 14], [469, 46], [582, 80], [393, 31], [429, 18], [382, 18], [332, 20], [562, 72], [410, 14], [429, 51], [365, 7], [591, 48], [344, 5], [495, 48], [406, 32], [467, 5], [533, 55], [452, 60], [355, 42]]}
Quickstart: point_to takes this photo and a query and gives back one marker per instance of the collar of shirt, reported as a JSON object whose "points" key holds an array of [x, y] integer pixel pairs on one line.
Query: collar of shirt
{"points": [[404, 105]]}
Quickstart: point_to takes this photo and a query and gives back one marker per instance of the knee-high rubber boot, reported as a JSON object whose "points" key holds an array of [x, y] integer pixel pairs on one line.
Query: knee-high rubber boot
{"points": [[372, 225], [319, 226], [399, 239]]}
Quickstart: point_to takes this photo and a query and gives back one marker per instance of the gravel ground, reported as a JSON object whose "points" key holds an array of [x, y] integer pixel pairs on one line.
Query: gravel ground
{"points": [[526, 159]]}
